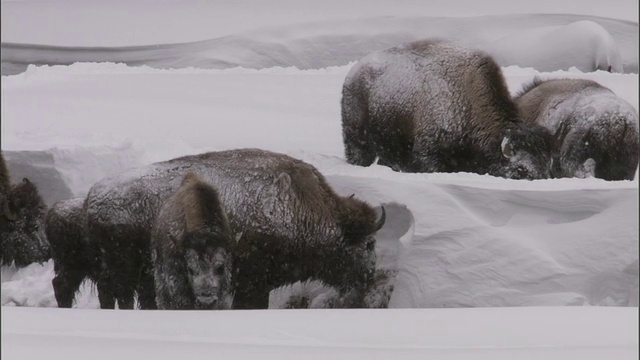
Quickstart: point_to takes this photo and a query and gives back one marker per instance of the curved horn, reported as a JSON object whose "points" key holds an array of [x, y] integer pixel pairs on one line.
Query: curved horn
{"points": [[11, 216], [381, 220], [351, 196]]}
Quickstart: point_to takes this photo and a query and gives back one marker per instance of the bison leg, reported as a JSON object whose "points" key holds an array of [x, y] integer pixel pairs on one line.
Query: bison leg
{"points": [[65, 287], [146, 289], [124, 295], [105, 295], [248, 297], [358, 147]]}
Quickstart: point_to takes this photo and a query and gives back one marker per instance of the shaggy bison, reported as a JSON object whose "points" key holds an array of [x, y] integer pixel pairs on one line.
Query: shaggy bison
{"points": [[595, 131], [22, 238], [429, 106], [294, 226], [191, 249], [73, 259]]}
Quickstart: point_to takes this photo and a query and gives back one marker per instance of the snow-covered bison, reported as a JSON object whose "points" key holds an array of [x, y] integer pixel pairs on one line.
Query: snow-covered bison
{"points": [[22, 238], [430, 106], [73, 260], [191, 249], [293, 226], [595, 131]]}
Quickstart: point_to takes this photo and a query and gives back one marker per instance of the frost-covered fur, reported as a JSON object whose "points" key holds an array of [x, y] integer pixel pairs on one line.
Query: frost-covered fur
{"points": [[22, 238], [73, 260], [294, 226], [191, 249], [429, 106], [596, 132]]}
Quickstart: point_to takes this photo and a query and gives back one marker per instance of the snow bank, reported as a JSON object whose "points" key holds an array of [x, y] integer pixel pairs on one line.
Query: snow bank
{"points": [[545, 42], [453, 240], [146, 22], [522, 333], [583, 44]]}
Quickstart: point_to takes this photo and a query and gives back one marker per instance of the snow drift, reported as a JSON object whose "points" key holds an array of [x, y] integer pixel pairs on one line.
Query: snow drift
{"points": [[582, 44], [544, 42], [453, 240]]}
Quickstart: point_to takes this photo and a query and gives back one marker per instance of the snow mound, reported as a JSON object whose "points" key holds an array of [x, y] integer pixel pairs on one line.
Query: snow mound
{"points": [[322, 44], [585, 45]]}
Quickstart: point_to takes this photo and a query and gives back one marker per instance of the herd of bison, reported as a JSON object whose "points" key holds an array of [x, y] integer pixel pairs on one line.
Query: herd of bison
{"points": [[220, 230]]}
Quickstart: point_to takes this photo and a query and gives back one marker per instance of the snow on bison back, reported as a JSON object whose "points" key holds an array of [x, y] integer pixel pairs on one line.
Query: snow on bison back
{"points": [[293, 226], [596, 132], [430, 106]]}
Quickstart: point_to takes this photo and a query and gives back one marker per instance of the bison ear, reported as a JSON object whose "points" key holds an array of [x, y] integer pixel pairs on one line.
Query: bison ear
{"points": [[507, 149]]}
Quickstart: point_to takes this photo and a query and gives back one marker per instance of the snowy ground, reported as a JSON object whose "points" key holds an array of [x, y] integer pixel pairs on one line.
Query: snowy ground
{"points": [[454, 240]]}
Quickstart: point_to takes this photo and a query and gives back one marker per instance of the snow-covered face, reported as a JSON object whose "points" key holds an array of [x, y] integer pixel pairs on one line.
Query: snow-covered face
{"points": [[526, 153], [361, 258], [209, 274]]}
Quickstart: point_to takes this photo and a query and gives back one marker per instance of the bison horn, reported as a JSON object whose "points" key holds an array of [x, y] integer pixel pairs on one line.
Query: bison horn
{"points": [[381, 220], [10, 215]]}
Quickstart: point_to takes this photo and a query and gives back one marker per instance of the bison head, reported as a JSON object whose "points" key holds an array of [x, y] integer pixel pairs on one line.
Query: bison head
{"points": [[22, 225], [208, 264], [355, 262], [526, 151]]}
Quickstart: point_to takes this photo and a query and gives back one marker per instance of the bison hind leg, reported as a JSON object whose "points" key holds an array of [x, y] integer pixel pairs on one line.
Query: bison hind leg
{"points": [[105, 295], [65, 287]]}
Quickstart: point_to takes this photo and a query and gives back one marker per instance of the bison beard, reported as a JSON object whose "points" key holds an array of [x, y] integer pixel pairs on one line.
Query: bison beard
{"points": [[191, 247], [73, 259], [429, 106], [596, 132], [294, 226]]}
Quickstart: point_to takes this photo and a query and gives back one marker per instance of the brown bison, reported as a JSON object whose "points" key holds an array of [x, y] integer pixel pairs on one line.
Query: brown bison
{"points": [[595, 131], [294, 226], [191, 249], [430, 106], [73, 259], [22, 238]]}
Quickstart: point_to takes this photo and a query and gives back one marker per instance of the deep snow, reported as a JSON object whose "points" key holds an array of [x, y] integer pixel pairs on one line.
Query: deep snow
{"points": [[543, 41], [454, 240], [518, 333], [464, 240]]}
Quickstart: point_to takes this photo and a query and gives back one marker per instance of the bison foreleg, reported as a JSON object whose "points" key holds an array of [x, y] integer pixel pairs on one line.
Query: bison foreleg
{"points": [[65, 286], [105, 295]]}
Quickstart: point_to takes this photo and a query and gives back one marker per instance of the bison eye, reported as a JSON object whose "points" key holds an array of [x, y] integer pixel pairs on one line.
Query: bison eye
{"points": [[219, 270], [191, 271]]}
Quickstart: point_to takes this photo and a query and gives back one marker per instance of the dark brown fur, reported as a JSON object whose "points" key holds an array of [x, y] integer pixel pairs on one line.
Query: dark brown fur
{"points": [[429, 106], [22, 234], [73, 259], [294, 226], [595, 132]]}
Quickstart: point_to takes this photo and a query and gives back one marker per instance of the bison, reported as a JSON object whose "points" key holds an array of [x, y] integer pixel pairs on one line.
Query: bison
{"points": [[191, 249], [294, 226], [73, 259], [22, 238], [595, 131], [430, 106]]}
